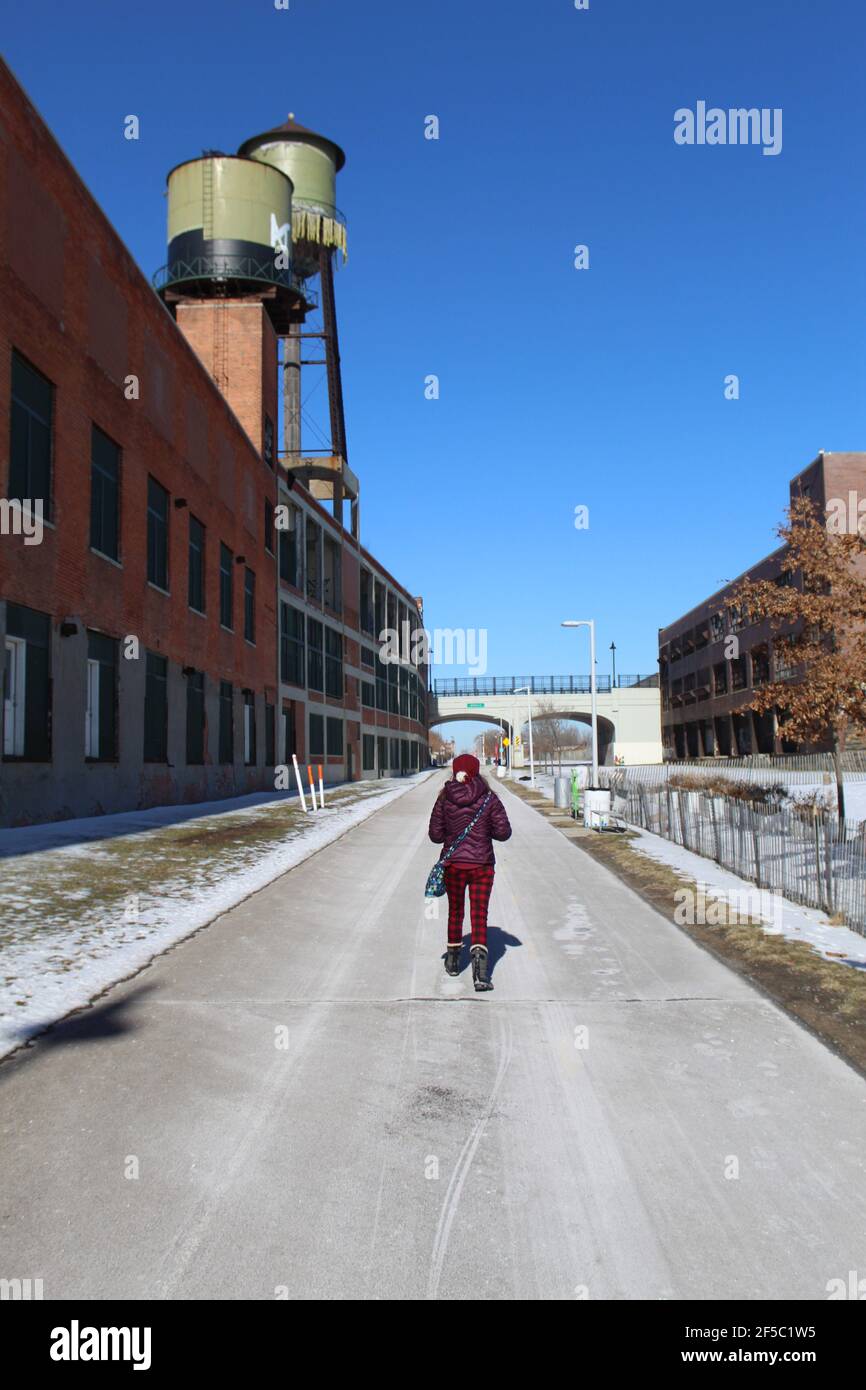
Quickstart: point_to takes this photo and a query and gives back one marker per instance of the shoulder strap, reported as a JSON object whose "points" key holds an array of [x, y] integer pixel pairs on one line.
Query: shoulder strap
{"points": [[463, 833]]}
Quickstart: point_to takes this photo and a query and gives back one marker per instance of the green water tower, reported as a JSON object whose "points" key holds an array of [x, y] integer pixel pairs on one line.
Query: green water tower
{"points": [[229, 233], [311, 162]]}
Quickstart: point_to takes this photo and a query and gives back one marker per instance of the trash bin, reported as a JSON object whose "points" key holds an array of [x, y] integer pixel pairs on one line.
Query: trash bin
{"points": [[596, 808], [562, 792]]}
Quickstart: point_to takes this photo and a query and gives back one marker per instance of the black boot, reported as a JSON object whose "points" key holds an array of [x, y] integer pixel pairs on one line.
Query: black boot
{"points": [[452, 960], [480, 978]]}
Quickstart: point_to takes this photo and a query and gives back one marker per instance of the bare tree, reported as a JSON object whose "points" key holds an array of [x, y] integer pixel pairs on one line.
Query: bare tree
{"points": [[440, 748], [818, 609], [550, 734]]}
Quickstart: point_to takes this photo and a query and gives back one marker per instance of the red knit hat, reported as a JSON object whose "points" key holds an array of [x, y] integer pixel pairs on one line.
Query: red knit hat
{"points": [[466, 763]]}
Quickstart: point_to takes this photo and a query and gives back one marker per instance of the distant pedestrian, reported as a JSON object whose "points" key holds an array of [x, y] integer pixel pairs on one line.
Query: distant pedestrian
{"points": [[467, 801]]}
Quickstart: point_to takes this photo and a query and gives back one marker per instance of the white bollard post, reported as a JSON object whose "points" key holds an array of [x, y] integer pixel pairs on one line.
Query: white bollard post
{"points": [[321, 789], [300, 783], [312, 787]]}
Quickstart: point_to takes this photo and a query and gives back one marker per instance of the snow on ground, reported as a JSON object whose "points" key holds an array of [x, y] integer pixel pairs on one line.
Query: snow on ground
{"points": [[85, 903], [780, 917], [738, 895]]}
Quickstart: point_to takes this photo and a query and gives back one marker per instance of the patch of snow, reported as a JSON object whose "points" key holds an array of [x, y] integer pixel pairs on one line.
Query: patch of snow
{"points": [[51, 969], [779, 916]]}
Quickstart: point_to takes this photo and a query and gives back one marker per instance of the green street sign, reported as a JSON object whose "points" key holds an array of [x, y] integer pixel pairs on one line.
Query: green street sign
{"points": [[479, 705]]}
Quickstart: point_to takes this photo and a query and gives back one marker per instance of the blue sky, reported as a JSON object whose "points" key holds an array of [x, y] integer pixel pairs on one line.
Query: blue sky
{"points": [[559, 388]]}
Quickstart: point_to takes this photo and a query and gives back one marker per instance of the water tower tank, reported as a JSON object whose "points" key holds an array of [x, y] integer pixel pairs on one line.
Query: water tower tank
{"points": [[228, 220], [312, 162]]}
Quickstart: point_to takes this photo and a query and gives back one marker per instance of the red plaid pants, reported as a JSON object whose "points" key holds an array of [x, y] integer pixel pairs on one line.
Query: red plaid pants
{"points": [[478, 878]]}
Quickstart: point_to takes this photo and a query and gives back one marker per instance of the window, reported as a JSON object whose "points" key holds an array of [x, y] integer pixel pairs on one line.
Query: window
{"points": [[404, 692], [100, 715], [317, 736], [333, 587], [156, 709], [313, 559], [249, 606], [335, 737], [368, 756], [291, 645], [289, 745], [393, 690], [269, 525], [30, 441], [27, 685], [315, 669], [226, 729], [270, 741], [368, 657], [249, 728], [226, 587], [195, 596], [368, 694], [381, 684], [268, 442], [739, 677], [333, 663], [290, 546], [382, 748], [395, 753], [760, 665], [720, 678], [14, 699], [157, 534], [379, 610], [367, 614], [104, 494], [195, 717]]}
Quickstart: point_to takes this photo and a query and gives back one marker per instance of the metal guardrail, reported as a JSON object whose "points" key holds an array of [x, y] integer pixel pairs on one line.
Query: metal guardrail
{"points": [[539, 685], [226, 268]]}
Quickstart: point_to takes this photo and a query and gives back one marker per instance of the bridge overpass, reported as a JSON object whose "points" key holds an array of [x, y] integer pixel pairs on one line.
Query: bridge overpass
{"points": [[629, 711]]}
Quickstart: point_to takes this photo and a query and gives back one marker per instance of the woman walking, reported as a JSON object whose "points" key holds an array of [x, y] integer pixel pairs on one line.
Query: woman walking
{"points": [[467, 804]]}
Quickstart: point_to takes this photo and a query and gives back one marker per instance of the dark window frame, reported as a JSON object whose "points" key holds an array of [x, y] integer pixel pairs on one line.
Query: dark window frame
{"points": [[26, 417], [227, 591], [196, 567], [157, 534], [105, 492]]}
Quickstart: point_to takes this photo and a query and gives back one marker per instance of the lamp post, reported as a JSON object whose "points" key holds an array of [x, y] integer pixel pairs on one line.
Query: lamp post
{"points": [[519, 691], [590, 623], [613, 660]]}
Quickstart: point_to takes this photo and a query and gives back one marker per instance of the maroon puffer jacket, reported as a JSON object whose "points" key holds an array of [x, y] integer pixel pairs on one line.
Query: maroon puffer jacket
{"points": [[454, 810]]}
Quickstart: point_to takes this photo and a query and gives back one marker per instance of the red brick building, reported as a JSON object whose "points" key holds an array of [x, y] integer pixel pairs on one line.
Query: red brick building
{"points": [[705, 690], [140, 630]]}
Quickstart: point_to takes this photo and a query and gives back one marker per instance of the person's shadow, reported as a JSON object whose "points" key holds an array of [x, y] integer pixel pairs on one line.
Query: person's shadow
{"points": [[498, 942]]}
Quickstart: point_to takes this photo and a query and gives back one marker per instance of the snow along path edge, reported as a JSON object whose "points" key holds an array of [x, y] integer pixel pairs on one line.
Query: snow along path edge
{"points": [[56, 995], [780, 916]]}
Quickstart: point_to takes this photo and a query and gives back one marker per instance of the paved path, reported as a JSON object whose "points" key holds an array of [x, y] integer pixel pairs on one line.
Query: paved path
{"points": [[414, 1140]]}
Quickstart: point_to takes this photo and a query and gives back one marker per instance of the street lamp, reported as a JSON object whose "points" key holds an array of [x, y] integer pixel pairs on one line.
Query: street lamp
{"points": [[519, 691], [590, 623], [613, 659]]}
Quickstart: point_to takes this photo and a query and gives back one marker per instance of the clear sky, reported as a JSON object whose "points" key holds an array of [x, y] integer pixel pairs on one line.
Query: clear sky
{"points": [[559, 388]]}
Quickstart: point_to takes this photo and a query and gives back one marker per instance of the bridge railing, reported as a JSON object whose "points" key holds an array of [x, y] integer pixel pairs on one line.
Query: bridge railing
{"points": [[539, 685]]}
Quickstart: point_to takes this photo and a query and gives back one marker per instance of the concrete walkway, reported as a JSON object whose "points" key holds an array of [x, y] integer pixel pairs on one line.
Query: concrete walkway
{"points": [[314, 1110]]}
